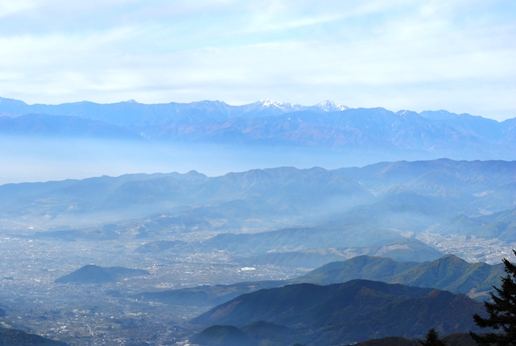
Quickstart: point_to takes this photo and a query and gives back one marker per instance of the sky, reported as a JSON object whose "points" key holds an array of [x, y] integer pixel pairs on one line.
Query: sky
{"points": [[457, 55]]}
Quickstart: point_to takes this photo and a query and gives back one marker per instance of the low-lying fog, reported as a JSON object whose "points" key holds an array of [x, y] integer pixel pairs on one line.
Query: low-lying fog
{"points": [[26, 159]]}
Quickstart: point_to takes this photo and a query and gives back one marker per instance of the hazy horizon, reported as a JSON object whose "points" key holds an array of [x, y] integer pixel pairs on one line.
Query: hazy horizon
{"points": [[252, 102], [451, 55]]}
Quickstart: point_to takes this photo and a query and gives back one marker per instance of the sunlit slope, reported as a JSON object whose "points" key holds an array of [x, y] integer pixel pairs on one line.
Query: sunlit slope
{"points": [[447, 273]]}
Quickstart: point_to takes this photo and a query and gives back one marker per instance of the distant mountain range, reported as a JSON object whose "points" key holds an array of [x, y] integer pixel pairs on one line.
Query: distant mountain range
{"points": [[501, 225], [92, 274], [344, 313], [405, 195], [325, 125], [62, 126], [281, 216]]}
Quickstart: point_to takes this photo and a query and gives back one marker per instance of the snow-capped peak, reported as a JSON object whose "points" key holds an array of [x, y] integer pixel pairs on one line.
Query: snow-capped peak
{"points": [[330, 106], [285, 106]]}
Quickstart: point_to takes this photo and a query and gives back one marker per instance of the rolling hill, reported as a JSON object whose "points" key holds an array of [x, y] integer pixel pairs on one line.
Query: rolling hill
{"points": [[446, 273], [92, 274], [344, 313]]}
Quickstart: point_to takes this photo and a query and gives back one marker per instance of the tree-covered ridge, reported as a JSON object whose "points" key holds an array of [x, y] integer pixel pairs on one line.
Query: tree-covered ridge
{"points": [[447, 273], [349, 312]]}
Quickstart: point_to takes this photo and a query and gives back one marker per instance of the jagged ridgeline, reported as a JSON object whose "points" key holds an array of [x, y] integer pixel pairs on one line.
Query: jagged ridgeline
{"points": [[376, 130]]}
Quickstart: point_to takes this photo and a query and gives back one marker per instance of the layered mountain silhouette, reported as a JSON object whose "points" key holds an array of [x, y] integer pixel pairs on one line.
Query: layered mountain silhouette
{"points": [[62, 126], [344, 313], [274, 123], [448, 273], [395, 195], [501, 225], [400, 249], [93, 274], [282, 216], [208, 296]]}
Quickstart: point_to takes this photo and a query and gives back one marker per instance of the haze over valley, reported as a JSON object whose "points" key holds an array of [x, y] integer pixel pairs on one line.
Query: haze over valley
{"points": [[84, 139], [257, 173], [139, 258]]}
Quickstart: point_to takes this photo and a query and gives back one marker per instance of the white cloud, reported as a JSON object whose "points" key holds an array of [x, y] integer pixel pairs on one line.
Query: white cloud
{"points": [[456, 55]]}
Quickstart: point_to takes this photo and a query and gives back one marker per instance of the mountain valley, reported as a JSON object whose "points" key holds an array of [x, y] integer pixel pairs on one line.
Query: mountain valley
{"points": [[159, 259]]}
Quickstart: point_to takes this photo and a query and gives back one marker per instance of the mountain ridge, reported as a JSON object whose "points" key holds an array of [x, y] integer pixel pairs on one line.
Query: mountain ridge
{"points": [[325, 125], [350, 312], [448, 273]]}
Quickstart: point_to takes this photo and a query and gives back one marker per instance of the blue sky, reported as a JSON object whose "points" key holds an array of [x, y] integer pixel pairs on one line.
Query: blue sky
{"points": [[458, 55]]}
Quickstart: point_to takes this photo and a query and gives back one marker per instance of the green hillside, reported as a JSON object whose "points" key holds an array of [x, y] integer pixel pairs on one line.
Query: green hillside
{"points": [[447, 273]]}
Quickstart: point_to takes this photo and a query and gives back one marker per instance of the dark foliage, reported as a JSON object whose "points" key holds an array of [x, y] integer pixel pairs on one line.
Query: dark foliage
{"points": [[501, 311], [432, 339], [389, 341], [349, 312]]}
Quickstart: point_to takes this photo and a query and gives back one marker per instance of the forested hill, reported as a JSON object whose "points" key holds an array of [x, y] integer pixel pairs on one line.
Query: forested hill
{"points": [[349, 312]]}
